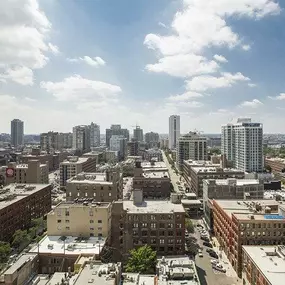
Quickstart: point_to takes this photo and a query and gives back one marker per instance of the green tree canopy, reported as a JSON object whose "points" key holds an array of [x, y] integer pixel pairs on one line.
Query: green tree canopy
{"points": [[142, 260], [21, 239], [189, 225], [5, 250]]}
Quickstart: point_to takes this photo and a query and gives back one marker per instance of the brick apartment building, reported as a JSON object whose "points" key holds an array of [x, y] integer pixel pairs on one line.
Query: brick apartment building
{"points": [[277, 164], [74, 165], [153, 180], [32, 172], [21, 203], [253, 222], [158, 223], [195, 172], [101, 187]]}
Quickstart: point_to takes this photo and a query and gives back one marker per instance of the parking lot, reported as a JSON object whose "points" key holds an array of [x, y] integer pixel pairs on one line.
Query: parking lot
{"points": [[208, 275]]}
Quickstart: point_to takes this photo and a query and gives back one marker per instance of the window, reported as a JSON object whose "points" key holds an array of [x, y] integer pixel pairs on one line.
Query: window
{"points": [[161, 225], [100, 228], [99, 235], [99, 221], [91, 221], [59, 221], [161, 241], [102, 188], [152, 217], [59, 228], [67, 228], [170, 233], [179, 226], [94, 194], [136, 225], [78, 194], [110, 194], [67, 221], [144, 233], [170, 226], [70, 194], [59, 212], [171, 241], [144, 225], [86, 194], [178, 241], [91, 229], [153, 226]]}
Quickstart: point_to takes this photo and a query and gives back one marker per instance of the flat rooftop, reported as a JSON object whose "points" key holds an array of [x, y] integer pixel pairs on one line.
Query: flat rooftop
{"points": [[20, 262], [155, 174], [259, 217], [71, 245], [153, 206], [90, 178], [26, 166], [75, 160], [16, 192], [91, 272], [238, 182], [269, 261], [205, 163], [157, 165], [241, 206], [84, 202], [138, 279], [215, 169]]}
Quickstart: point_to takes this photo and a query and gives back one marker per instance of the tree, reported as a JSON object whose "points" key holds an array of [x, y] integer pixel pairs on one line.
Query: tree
{"points": [[189, 225], [21, 239], [142, 260], [5, 250]]}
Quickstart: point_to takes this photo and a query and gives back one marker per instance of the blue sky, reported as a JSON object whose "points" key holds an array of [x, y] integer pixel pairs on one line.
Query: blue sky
{"points": [[70, 62]]}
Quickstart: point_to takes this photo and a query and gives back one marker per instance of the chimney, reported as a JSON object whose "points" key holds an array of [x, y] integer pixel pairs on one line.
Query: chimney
{"points": [[137, 196]]}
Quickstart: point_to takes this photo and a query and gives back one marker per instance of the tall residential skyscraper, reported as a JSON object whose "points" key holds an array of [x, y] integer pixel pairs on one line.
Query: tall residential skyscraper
{"points": [[94, 135], [174, 130], [152, 139], [116, 130], [242, 143], [119, 143], [17, 132], [191, 146], [81, 138], [138, 134]]}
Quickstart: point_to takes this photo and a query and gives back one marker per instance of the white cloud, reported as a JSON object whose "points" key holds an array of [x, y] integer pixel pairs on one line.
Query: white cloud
{"points": [[81, 90], [185, 96], [246, 47], [252, 104], [53, 48], [279, 97], [220, 58], [95, 61], [30, 99], [202, 24], [205, 82], [19, 74], [184, 65], [24, 29], [162, 25], [251, 85]]}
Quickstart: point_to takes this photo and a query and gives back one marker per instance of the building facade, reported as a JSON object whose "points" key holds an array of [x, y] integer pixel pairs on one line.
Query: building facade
{"points": [[75, 165], [85, 219], [242, 143], [138, 134], [101, 187], [252, 222], [94, 135], [133, 148], [81, 138], [17, 132], [20, 204], [152, 139], [32, 172], [191, 146], [160, 224], [119, 144], [116, 130], [174, 131]]}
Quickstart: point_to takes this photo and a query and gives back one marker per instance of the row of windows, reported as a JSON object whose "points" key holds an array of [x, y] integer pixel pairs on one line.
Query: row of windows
{"points": [[154, 225], [153, 217], [91, 221]]}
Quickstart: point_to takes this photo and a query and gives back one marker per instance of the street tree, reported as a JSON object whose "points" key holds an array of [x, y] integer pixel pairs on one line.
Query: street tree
{"points": [[142, 260]]}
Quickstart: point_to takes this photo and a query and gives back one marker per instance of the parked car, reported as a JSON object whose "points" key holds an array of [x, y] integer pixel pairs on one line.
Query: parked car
{"points": [[205, 238], [213, 254], [209, 250], [208, 244], [200, 253], [219, 267], [199, 226], [214, 261]]}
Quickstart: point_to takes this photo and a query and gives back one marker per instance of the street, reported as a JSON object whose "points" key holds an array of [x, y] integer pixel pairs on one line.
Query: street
{"points": [[173, 176], [208, 275]]}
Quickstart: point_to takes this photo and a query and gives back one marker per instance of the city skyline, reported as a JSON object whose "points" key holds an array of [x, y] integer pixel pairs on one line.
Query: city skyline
{"points": [[148, 58]]}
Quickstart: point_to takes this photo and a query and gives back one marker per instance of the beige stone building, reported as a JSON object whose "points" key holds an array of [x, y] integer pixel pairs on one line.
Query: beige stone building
{"points": [[101, 187], [74, 165], [32, 172], [80, 219]]}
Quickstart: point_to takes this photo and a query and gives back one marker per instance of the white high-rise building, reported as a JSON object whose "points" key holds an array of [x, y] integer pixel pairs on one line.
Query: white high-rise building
{"points": [[242, 144], [191, 146], [119, 143], [174, 131], [94, 135], [81, 138], [17, 132]]}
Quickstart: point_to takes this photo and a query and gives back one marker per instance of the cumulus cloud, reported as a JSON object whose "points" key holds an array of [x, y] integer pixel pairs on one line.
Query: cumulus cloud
{"points": [[220, 58], [279, 97], [19, 74], [80, 90], [185, 96], [24, 29], [53, 48], [95, 61], [205, 82], [246, 47], [252, 104]]}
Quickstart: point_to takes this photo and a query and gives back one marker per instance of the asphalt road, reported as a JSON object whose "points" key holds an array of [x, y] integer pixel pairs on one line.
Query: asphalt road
{"points": [[206, 274]]}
